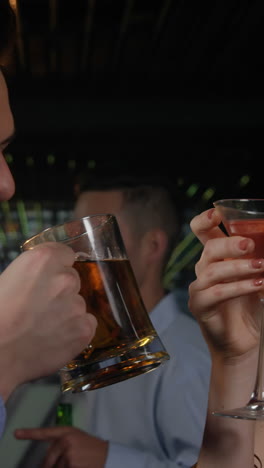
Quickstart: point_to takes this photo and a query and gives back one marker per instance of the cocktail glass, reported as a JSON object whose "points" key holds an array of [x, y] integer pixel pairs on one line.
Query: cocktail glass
{"points": [[245, 217]]}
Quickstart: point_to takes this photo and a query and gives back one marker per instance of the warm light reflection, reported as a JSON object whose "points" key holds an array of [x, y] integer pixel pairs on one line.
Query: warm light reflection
{"points": [[13, 4]]}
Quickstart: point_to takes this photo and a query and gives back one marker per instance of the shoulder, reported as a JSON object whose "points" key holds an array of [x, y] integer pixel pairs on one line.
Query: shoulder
{"points": [[182, 337], [172, 321]]}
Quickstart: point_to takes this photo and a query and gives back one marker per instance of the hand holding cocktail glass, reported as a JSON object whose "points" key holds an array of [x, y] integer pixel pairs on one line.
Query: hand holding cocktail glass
{"points": [[126, 343], [245, 217]]}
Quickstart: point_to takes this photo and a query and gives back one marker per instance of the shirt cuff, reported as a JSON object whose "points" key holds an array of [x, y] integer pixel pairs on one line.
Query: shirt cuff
{"points": [[2, 416]]}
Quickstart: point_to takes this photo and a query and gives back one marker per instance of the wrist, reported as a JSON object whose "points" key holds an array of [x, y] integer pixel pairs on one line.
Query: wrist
{"points": [[232, 380], [9, 370], [229, 442]]}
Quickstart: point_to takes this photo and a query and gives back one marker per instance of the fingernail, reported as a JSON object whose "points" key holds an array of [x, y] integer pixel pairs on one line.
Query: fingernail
{"points": [[256, 263], [243, 244], [210, 213], [258, 282]]}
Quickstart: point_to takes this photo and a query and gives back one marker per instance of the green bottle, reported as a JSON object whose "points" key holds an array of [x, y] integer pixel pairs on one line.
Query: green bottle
{"points": [[64, 412]]}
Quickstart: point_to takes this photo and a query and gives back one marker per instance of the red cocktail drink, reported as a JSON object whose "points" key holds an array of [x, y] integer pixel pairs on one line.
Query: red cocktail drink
{"points": [[252, 228]]}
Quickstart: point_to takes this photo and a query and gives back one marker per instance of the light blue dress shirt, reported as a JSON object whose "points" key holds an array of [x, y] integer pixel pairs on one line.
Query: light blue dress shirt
{"points": [[2, 416], [156, 420]]}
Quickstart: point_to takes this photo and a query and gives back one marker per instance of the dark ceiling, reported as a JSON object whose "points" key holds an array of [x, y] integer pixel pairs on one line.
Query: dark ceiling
{"points": [[153, 47], [138, 84]]}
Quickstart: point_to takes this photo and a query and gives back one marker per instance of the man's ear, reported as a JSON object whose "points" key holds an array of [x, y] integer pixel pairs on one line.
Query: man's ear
{"points": [[155, 244]]}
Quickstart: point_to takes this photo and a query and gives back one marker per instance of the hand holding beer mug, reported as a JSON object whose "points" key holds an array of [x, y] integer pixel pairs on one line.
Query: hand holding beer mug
{"points": [[126, 343]]}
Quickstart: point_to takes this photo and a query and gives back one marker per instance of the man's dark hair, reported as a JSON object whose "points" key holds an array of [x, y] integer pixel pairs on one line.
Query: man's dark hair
{"points": [[153, 201], [7, 29]]}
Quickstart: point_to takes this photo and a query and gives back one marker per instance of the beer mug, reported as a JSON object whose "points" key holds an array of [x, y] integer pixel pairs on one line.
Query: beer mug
{"points": [[125, 343]]}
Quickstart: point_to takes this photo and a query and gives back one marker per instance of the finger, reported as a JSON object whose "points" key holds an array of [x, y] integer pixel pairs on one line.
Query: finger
{"points": [[70, 279], [53, 455], [83, 325], [225, 248], [43, 433], [205, 226], [206, 299], [231, 270], [63, 253]]}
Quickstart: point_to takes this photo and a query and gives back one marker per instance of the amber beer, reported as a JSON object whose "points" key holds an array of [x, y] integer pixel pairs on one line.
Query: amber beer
{"points": [[125, 344], [111, 294]]}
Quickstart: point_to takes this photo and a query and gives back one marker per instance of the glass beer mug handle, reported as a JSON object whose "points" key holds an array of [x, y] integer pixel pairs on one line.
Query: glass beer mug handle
{"points": [[81, 257]]}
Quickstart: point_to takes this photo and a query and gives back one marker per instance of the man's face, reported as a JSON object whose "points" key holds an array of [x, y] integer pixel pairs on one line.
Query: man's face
{"points": [[94, 202], [7, 184]]}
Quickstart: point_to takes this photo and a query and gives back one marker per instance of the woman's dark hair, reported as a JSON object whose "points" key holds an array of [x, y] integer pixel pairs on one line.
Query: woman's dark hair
{"points": [[7, 29]]}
